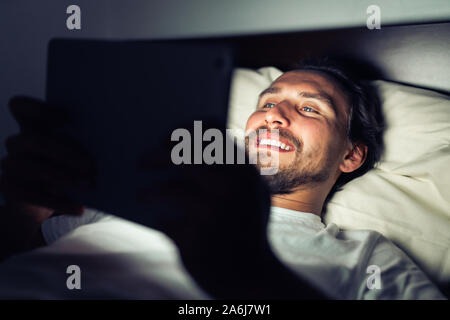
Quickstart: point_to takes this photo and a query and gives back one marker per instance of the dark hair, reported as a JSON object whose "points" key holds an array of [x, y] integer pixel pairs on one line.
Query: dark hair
{"points": [[366, 121]]}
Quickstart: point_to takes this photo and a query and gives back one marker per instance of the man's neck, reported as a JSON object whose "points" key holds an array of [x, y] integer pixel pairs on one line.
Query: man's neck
{"points": [[305, 200]]}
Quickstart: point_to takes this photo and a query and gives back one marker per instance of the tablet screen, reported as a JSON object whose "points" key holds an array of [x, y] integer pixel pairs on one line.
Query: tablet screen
{"points": [[125, 98]]}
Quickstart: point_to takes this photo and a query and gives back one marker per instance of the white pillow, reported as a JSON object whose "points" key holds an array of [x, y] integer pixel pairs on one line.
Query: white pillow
{"points": [[407, 196]]}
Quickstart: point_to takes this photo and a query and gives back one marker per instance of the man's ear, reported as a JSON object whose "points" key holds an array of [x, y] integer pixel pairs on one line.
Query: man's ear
{"points": [[354, 157]]}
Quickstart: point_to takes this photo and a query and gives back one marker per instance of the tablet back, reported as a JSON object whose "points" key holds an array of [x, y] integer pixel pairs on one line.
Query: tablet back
{"points": [[125, 97]]}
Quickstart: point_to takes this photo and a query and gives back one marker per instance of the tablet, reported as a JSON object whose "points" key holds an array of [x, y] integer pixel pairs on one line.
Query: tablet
{"points": [[124, 98]]}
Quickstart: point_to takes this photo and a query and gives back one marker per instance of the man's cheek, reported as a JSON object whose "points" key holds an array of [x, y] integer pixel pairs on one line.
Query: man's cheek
{"points": [[254, 121], [316, 137], [312, 147]]}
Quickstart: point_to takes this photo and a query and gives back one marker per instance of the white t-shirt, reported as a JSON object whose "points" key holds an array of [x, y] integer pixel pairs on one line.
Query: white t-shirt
{"points": [[121, 259]]}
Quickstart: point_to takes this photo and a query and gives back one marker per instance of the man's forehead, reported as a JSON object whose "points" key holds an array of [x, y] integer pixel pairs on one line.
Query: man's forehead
{"points": [[312, 79]]}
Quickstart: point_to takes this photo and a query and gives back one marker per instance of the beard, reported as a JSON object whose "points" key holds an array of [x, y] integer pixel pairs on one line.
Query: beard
{"points": [[300, 173]]}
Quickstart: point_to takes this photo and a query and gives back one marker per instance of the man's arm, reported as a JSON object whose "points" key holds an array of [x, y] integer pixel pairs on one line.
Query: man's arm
{"points": [[38, 168]]}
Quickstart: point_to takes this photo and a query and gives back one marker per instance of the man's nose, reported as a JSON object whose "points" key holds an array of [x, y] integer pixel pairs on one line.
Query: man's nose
{"points": [[276, 117]]}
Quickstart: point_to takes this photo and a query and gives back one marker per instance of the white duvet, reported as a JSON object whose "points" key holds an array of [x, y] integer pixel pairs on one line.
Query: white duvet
{"points": [[100, 256]]}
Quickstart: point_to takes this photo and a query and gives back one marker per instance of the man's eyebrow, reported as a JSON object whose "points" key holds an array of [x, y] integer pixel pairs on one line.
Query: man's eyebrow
{"points": [[321, 96], [269, 90]]}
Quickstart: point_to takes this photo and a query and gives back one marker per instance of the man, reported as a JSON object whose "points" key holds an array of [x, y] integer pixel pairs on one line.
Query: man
{"points": [[242, 239]]}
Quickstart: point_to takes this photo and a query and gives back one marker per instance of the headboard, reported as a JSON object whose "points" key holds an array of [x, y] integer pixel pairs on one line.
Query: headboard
{"points": [[417, 55]]}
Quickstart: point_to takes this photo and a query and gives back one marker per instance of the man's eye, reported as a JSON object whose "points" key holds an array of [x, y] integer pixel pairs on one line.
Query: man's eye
{"points": [[269, 105], [307, 109]]}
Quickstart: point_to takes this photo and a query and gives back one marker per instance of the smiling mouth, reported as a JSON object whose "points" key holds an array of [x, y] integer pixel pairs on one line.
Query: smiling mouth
{"points": [[276, 145]]}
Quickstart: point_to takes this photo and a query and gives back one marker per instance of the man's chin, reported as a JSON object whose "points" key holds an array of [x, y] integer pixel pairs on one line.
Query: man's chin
{"points": [[276, 184], [289, 179]]}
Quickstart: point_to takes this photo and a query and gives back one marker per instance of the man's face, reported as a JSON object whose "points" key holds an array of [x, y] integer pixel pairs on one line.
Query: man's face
{"points": [[311, 113]]}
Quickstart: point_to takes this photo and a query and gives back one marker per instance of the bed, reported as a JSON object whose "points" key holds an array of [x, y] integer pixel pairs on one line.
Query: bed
{"points": [[406, 197]]}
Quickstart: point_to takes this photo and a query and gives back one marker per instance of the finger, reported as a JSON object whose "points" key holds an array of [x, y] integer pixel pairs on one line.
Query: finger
{"points": [[40, 171], [37, 213], [35, 194], [59, 154], [32, 113]]}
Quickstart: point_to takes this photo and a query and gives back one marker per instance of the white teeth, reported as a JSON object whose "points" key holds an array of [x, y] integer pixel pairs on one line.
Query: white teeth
{"points": [[275, 143]]}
